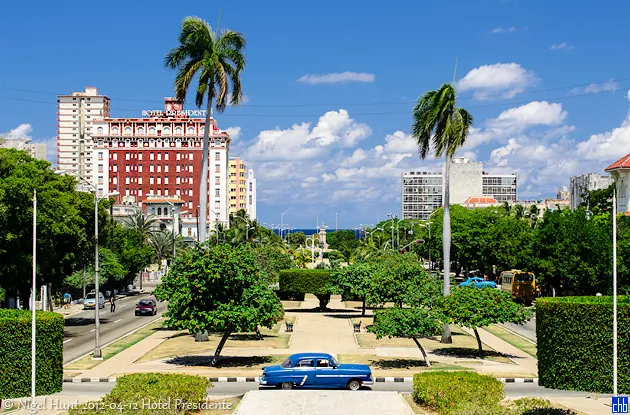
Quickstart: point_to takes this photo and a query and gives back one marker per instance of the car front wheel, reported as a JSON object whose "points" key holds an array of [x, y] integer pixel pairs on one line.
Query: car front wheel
{"points": [[354, 385], [287, 386]]}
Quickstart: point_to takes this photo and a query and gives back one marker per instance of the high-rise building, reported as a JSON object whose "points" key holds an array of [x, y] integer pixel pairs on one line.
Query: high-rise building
{"points": [[422, 192], [36, 150], [161, 155], [251, 194], [586, 183], [237, 185], [75, 116]]}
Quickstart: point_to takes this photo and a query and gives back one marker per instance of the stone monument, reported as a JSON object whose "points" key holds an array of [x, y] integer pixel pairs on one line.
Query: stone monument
{"points": [[322, 237]]}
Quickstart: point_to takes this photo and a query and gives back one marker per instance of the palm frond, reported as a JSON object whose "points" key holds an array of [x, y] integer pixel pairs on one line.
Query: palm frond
{"points": [[185, 76]]}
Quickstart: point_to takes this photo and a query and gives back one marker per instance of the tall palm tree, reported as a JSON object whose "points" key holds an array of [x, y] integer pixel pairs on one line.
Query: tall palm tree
{"points": [[144, 224], [217, 60], [441, 127]]}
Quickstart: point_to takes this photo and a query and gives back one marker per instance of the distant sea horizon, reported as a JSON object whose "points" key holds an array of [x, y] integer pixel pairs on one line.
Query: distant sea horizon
{"points": [[312, 231]]}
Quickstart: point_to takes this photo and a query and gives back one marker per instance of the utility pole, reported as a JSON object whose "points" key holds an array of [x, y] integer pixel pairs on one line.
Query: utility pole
{"points": [[614, 292], [336, 216], [34, 297]]}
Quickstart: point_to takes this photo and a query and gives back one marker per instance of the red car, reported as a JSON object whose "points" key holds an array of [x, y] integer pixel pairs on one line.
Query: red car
{"points": [[146, 307]]}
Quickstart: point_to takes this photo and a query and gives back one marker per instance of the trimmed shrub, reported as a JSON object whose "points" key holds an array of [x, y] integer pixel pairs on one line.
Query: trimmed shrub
{"points": [[307, 281], [15, 353], [575, 343], [150, 394], [450, 392]]}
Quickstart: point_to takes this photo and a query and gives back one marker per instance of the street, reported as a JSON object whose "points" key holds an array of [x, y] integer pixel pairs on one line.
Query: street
{"points": [[512, 390], [79, 328], [527, 330]]}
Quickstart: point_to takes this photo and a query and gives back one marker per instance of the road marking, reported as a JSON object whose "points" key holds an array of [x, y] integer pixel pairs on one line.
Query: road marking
{"points": [[117, 320], [66, 341], [93, 330]]}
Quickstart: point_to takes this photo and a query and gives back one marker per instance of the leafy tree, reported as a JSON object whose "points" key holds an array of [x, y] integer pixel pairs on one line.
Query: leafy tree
{"points": [[297, 239], [217, 60], [338, 239], [440, 126], [162, 244], [220, 289], [473, 308], [272, 260], [354, 281], [598, 201], [132, 250], [408, 323]]}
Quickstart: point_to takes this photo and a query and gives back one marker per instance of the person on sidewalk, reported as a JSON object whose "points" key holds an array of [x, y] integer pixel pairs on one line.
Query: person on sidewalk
{"points": [[112, 304], [67, 299]]}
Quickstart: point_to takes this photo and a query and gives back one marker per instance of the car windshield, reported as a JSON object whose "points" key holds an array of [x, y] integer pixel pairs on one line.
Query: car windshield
{"points": [[90, 296], [335, 362], [286, 363], [524, 278], [145, 302]]}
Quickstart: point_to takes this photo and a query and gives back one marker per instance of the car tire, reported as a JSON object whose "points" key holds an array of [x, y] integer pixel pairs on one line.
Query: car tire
{"points": [[286, 386], [137, 314], [353, 385]]}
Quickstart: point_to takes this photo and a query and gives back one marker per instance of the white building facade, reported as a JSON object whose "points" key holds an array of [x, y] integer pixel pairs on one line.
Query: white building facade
{"points": [[75, 116], [422, 192], [620, 173], [586, 183], [251, 194], [36, 150]]}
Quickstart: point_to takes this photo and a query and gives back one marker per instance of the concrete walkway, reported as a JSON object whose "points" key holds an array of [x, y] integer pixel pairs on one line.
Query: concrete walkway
{"points": [[322, 402], [125, 358]]}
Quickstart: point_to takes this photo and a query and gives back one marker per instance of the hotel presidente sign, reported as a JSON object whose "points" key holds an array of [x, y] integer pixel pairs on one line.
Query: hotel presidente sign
{"points": [[177, 113]]}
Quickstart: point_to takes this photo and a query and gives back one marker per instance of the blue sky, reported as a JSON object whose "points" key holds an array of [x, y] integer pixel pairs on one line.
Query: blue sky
{"points": [[546, 82]]}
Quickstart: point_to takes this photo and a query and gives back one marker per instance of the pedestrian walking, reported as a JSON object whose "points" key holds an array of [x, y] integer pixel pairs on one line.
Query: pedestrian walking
{"points": [[67, 299], [112, 304]]}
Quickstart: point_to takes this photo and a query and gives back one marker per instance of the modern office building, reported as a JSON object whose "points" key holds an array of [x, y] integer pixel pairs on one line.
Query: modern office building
{"points": [[251, 194], [160, 155], [75, 117], [422, 191], [585, 183], [36, 150]]}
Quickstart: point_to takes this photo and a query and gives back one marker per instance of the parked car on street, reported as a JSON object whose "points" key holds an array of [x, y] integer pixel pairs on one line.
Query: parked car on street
{"points": [[316, 370], [90, 300], [146, 307], [478, 282]]}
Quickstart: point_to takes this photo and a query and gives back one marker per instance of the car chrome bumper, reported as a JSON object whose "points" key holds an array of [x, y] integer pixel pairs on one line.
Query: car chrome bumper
{"points": [[261, 381], [367, 382]]}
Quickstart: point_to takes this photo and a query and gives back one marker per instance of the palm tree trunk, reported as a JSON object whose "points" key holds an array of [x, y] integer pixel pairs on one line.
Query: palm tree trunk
{"points": [[203, 181], [446, 242]]}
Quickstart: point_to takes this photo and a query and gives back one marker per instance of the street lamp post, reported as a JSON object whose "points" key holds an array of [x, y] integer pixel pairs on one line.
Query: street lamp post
{"points": [[33, 291], [336, 216], [281, 224], [614, 209]]}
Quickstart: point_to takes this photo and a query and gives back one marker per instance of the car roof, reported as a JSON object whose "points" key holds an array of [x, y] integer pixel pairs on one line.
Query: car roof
{"points": [[298, 356]]}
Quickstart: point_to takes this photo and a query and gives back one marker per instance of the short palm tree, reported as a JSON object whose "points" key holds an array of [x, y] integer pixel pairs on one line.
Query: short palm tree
{"points": [[439, 126], [217, 60]]}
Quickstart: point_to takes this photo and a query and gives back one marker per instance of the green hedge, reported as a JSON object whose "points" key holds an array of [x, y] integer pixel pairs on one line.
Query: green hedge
{"points": [[150, 394], [456, 392], [15, 353], [575, 343], [307, 281]]}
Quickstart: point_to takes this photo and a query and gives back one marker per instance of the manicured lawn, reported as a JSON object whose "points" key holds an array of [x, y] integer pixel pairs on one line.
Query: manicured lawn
{"points": [[113, 349], [516, 341], [383, 364], [183, 344]]}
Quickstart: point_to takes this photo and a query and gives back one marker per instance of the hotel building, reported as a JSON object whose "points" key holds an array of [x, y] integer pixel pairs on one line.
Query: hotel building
{"points": [[160, 155], [238, 183], [422, 191], [75, 117]]}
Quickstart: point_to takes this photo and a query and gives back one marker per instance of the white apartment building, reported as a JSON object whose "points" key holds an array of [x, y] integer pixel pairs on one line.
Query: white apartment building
{"points": [[75, 115], [251, 194], [585, 183], [36, 150], [422, 191]]}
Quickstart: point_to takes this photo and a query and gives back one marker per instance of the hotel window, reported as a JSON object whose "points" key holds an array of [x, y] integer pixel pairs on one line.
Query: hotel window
{"points": [[139, 180], [115, 156], [166, 168], [127, 130], [217, 156], [177, 157], [217, 168], [139, 192], [190, 180], [126, 192], [178, 192], [139, 156], [115, 180], [151, 193], [126, 180], [217, 179], [166, 130], [217, 143], [100, 179], [127, 156], [191, 130], [100, 155], [191, 156], [151, 168], [189, 192], [250, 187], [151, 180], [114, 130], [159, 155], [250, 199], [177, 180], [178, 168], [159, 192], [151, 130], [139, 168], [191, 168], [178, 130], [140, 130], [165, 180], [165, 156], [217, 192], [99, 130], [127, 168], [115, 168], [159, 166], [151, 156], [159, 180]]}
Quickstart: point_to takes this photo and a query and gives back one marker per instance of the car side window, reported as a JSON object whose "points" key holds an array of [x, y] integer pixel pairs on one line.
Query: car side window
{"points": [[305, 363], [323, 363]]}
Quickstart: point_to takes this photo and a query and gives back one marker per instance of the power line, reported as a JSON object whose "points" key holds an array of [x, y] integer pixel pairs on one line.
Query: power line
{"points": [[354, 114], [462, 97]]}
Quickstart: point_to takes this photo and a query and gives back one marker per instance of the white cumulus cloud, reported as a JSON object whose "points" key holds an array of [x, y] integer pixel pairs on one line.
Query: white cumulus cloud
{"points": [[21, 131], [596, 88], [501, 29], [501, 80], [533, 113], [234, 132], [558, 46], [337, 78]]}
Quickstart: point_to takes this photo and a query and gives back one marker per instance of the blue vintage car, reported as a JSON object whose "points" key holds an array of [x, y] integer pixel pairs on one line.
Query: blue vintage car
{"points": [[478, 282], [316, 370]]}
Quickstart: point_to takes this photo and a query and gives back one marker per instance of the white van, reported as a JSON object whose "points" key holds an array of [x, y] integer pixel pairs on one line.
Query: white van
{"points": [[90, 301]]}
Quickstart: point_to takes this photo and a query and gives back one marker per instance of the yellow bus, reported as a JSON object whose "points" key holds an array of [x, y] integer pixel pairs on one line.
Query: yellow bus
{"points": [[521, 284]]}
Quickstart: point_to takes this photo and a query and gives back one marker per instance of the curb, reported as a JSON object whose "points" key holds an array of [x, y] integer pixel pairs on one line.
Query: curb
{"points": [[222, 379]]}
